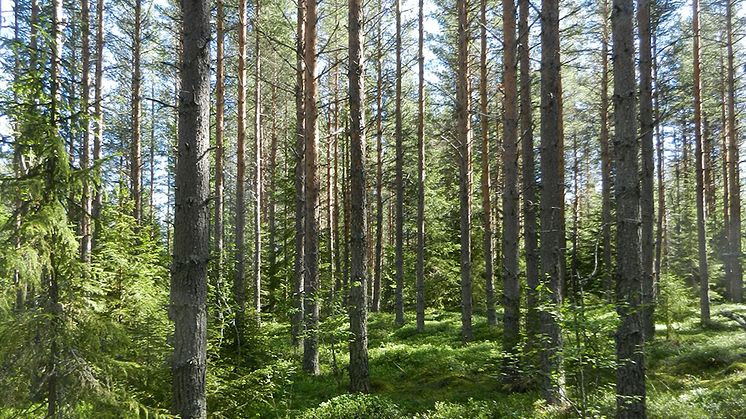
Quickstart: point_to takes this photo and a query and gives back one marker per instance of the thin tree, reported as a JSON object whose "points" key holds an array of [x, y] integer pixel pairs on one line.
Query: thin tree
{"points": [[85, 217], [274, 278], [379, 164], [511, 286], [239, 288], [191, 218], [257, 168], [734, 206], [630, 375], [359, 380], [399, 181], [647, 209], [311, 238], [552, 206], [219, 152], [529, 177], [99, 118], [136, 111], [484, 120], [420, 266], [606, 180], [300, 182], [704, 283], [463, 139]]}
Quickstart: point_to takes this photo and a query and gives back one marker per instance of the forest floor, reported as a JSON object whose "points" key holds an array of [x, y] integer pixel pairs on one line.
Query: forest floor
{"points": [[692, 372]]}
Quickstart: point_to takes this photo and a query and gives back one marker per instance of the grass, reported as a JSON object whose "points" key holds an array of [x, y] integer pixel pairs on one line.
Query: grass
{"points": [[693, 372]]}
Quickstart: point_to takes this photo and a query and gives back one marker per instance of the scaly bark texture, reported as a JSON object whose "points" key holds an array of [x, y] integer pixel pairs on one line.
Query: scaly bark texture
{"points": [[552, 206], [311, 248], [188, 307], [420, 265], [359, 377], [646, 183], [630, 375], [489, 286], [399, 181], [511, 285], [463, 139], [704, 282]]}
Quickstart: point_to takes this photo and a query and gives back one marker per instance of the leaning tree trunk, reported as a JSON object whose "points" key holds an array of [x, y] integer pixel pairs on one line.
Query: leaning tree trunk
{"points": [[463, 134], [191, 219], [630, 375], [359, 380]]}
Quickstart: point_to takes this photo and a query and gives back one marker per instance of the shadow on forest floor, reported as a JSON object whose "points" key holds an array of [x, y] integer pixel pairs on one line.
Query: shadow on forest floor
{"points": [[692, 373]]}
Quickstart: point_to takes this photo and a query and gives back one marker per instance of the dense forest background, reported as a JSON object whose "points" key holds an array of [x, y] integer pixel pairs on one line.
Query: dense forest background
{"points": [[441, 209]]}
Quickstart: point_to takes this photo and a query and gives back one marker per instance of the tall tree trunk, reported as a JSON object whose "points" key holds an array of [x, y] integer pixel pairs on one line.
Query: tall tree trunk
{"points": [[734, 184], [646, 184], [704, 283], [99, 117], [311, 280], [724, 136], [486, 190], [300, 178], [529, 180], [192, 214], [85, 217], [552, 203], [511, 285], [661, 216], [239, 288], [359, 381], [135, 147], [420, 268], [463, 139], [219, 153], [630, 376], [608, 280], [379, 165], [54, 308], [274, 279], [257, 168], [399, 245]]}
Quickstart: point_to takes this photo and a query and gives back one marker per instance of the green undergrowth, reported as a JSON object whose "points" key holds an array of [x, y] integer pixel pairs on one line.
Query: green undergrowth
{"points": [[693, 372]]}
